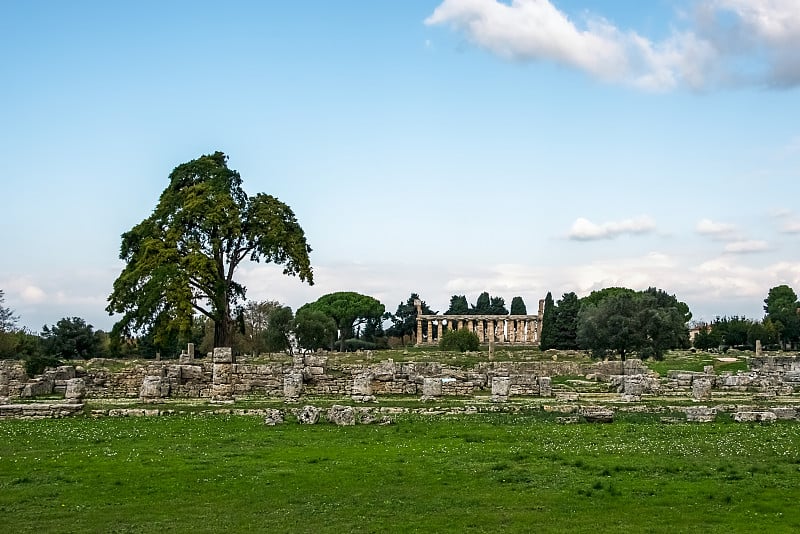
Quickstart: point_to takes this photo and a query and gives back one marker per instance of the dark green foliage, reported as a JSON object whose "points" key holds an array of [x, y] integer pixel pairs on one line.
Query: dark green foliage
{"points": [[565, 320], [348, 309], [36, 365], [497, 306], [549, 336], [256, 319], [461, 340], [781, 308], [314, 330], [277, 336], [70, 338], [732, 331], [482, 305], [707, 338], [518, 306], [404, 320], [595, 297], [373, 331], [352, 345], [458, 306], [182, 259], [624, 321]]}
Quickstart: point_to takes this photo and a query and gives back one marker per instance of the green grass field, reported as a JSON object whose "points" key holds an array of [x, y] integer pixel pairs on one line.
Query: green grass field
{"points": [[483, 473]]}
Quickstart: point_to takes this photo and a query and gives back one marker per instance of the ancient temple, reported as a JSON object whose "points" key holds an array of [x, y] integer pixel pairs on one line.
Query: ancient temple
{"points": [[510, 329]]}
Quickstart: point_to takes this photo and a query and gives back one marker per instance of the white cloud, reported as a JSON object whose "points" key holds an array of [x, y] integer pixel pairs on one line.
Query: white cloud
{"points": [[727, 41], [714, 229], [31, 294], [585, 230], [746, 247], [789, 221]]}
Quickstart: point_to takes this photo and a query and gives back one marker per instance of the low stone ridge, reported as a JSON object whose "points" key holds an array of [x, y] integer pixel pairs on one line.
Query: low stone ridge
{"points": [[755, 417], [597, 414]]}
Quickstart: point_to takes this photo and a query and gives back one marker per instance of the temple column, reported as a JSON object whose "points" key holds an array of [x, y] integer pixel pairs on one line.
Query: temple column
{"points": [[481, 336], [521, 331], [419, 331], [460, 324], [512, 331], [490, 333]]}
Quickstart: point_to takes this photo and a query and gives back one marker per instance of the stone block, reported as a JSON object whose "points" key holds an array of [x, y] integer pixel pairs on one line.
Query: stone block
{"points": [[308, 415], [273, 417], [545, 387], [431, 387], [292, 386], [341, 415], [501, 388], [223, 355], [76, 390], [362, 388], [755, 417], [784, 413], [154, 387], [701, 414], [597, 414], [701, 389]]}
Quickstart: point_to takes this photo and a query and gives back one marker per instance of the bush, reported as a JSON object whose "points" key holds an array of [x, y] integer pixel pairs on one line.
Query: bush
{"points": [[460, 340], [352, 345], [36, 364]]}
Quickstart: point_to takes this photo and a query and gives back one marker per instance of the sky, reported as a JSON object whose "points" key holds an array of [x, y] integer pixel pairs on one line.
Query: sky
{"points": [[437, 147]]}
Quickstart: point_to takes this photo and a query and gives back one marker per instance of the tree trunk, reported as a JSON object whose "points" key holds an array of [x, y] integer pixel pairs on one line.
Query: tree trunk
{"points": [[223, 336]]}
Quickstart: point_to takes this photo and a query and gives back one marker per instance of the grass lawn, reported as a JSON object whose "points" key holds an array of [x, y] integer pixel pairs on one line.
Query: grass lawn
{"points": [[483, 473]]}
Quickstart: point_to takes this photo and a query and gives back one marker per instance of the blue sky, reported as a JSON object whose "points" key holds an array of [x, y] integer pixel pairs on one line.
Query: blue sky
{"points": [[436, 147]]}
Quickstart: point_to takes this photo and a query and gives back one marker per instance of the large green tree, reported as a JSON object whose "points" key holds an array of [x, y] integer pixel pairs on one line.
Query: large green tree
{"points": [[565, 322], [71, 338], [458, 305], [277, 335], [548, 340], [404, 320], [625, 321], [348, 309], [182, 259], [314, 330], [781, 308]]}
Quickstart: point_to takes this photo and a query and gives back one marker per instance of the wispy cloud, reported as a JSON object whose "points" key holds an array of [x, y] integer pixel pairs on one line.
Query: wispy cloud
{"points": [[788, 221], [726, 42], [585, 230], [715, 229], [746, 247]]}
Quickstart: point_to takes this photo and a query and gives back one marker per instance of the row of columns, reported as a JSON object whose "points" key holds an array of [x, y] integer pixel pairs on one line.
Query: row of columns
{"points": [[513, 329]]}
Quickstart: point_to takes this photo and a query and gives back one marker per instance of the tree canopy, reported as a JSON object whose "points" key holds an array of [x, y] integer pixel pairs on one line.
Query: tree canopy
{"points": [[548, 340], [404, 320], [781, 308], [347, 309], [518, 306], [624, 321], [71, 338], [182, 259], [458, 306], [314, 330]]}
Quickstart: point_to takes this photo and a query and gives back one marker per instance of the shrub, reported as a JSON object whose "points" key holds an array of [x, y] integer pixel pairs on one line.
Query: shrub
{"points": [[460, 340], [35, 365], [352, 345]]}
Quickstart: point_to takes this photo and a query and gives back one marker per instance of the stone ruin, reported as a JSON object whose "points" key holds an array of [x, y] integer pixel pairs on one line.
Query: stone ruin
{"points": [[220, 379]]}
